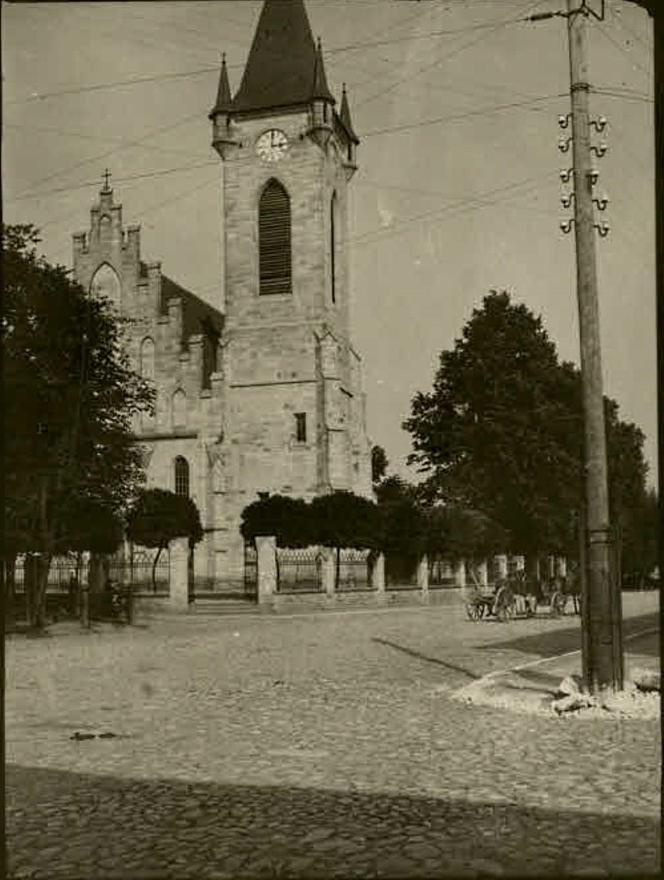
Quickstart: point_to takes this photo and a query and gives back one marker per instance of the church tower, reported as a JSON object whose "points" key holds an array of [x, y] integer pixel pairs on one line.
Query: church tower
{"points": [[294, 414]]}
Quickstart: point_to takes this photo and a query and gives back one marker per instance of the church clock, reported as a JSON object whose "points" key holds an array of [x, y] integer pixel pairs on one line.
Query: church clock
{"points": [[272, 145]]}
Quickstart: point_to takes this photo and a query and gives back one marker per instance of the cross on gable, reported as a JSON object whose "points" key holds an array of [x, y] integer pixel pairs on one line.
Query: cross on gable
{"points": [[106, 175]]}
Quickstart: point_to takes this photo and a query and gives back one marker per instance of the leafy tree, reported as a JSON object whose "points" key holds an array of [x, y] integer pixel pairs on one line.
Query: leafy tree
{"points": [[379, 464], [497, 434], [502, 431], [69, 398], [284, 518], [157, 517], [403, 526], [343, 519]]}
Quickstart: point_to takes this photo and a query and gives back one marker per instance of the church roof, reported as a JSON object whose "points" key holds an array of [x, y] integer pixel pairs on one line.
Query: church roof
{"points": [[281, 69], [224, 99], [197, 315], [344, 116]]}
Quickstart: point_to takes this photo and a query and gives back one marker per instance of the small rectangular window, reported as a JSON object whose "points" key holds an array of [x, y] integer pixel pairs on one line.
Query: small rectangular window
{"points": [[301, 427]]}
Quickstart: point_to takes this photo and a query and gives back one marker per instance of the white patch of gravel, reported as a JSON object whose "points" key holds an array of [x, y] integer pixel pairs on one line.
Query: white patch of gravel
{"points": [[628, 704]]}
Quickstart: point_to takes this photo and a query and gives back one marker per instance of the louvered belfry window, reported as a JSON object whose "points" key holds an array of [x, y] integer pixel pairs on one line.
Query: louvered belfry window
{"points": [[274, 240]]}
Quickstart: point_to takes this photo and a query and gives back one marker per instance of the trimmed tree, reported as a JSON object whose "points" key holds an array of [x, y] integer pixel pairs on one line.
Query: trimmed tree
{"points": [[343, 519], [157, 517], [403, 526], [284, 518]]}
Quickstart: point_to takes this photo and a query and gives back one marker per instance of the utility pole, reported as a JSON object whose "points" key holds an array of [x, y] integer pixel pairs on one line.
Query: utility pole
{"points": [[656, 10], [601, 621]]}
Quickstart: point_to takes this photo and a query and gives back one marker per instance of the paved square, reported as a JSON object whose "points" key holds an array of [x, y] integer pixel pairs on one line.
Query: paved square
{"points": [[315, 745]]}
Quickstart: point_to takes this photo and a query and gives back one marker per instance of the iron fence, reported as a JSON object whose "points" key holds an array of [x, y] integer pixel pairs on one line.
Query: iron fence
{"points": [[59, 574], [136, 572], [441, 573], [400, 572], [299, 571], [354, 572]]}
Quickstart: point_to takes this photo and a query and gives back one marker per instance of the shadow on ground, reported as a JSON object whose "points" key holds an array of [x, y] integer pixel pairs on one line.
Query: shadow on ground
{"points": [[426, 657], [63, 824], [559, 641]]}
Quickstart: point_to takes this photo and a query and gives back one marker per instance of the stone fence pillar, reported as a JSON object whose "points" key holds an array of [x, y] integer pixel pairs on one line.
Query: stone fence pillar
{"points": [[561, 566], [501, 565], [460, 573], [329, 570], [178, 574], [266, 551], [423, 576], [377, 574]]}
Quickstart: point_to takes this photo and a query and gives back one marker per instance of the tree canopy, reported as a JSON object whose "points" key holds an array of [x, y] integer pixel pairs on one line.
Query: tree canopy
{"points": [[69, 399], [379, 464], [501, 432], [158, 516], [279, 516]]}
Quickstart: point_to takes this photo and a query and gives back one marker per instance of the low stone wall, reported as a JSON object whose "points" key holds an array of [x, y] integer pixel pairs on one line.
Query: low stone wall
{"points": [[363, 599]]}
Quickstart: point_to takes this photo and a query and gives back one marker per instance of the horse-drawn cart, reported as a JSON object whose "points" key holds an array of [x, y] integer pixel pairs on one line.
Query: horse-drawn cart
{"points": [[496, 601], [516, 597]]}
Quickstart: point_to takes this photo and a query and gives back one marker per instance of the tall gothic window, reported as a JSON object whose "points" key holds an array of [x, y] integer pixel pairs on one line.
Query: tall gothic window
{"points": [[333, 246], [181, 476], [179, 409], [274, 240]]}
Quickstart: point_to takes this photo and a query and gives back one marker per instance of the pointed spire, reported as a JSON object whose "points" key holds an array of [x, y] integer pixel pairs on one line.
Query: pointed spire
{"points": [[344, 115], [282, 62], [320, 88], [224, 100]]}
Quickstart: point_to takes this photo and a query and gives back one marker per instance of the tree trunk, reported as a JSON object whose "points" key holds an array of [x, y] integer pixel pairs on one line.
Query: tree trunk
{"points": [[154, 568], [29, 588], [338, 571], [10, 586], [43, 564]]}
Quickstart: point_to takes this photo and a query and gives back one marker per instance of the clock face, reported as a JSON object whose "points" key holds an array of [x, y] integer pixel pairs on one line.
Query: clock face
{"points": [[272, 145]]}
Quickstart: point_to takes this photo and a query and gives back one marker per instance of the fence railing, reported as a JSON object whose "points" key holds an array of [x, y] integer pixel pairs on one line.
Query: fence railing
{"points": [[299, 571], [137, 574], [441, 573], [400, 572], [354, 571]]}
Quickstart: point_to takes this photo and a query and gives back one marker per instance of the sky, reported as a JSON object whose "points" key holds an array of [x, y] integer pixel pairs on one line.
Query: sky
{"points": [[456, 103]]}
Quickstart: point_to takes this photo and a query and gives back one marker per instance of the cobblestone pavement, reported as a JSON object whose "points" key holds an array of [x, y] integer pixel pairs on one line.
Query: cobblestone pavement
{"points": [[314, 746]]}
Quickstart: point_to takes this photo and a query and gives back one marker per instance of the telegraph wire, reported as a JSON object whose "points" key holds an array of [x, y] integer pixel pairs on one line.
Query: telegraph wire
{"points": [[88, 183], [456, 117], [451, 54], [106, 153], [529, 183], [201, 71]]}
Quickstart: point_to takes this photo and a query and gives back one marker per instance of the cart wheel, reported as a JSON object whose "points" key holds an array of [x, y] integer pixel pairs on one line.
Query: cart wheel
{"points": [[473, 610], [558, 603]]}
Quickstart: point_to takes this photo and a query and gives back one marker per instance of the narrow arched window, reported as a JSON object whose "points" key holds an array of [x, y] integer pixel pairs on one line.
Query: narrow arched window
{"points": [[179, 409], [105, 283], [181, 476], [333, 246], [147, 359], [274, 240]]}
